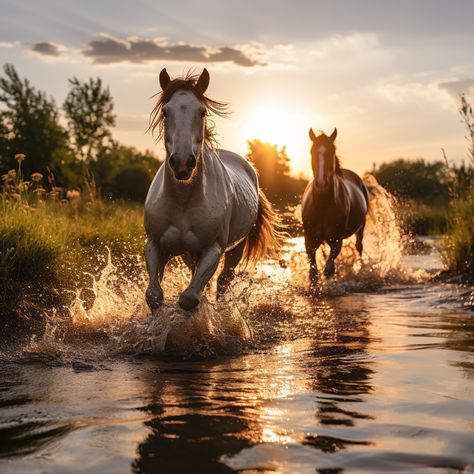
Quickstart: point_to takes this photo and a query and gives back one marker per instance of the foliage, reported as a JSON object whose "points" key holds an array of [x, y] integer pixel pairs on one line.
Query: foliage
{"points": [[89, 111], [273, 166], [29, 124], [422, 219], [459, 242], [124, 172], [418, 180], [48, 249]]}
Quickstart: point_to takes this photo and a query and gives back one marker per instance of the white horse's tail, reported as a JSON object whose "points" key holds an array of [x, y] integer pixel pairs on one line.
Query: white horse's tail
{"points": [[264, 239]]}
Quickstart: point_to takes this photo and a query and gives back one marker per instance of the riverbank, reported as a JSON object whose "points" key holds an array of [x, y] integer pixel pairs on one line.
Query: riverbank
{"points": [[49, 252]]}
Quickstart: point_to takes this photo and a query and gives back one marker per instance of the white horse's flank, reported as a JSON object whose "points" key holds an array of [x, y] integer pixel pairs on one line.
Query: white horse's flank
{"points": [[200, 203]]}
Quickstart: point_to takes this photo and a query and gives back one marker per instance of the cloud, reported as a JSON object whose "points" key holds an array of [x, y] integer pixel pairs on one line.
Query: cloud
{"points": [[455, 87], [109, 50], [45, 48]]}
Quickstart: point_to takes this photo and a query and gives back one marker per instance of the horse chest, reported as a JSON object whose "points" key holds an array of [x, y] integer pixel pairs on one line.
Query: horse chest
{"points": [[188, 230]]}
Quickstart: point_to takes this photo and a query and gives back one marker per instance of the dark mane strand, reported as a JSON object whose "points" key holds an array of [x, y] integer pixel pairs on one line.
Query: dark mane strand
{"points": [[187, 83], [337, 163]]}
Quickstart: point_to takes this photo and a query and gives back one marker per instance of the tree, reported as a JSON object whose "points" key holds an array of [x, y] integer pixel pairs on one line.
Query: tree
{"points": [[415, 179], [124, 172], [273, 167], [89, 111], [29, 125]]}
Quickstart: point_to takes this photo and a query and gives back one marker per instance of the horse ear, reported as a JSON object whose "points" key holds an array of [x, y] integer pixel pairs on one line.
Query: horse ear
{"points": [[333, 135], [312, 136], [165, 79], [203, 82]]}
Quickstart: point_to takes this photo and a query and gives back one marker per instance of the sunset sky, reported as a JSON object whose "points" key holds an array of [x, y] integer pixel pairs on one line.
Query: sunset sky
{"points": [[386, 73]]}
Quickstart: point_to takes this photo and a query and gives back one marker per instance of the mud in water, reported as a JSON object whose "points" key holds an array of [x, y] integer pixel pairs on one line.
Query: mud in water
{"points": [[373, 372]]}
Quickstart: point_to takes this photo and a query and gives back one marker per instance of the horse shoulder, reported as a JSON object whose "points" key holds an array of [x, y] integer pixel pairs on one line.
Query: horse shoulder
{"points": [[243, 181]]}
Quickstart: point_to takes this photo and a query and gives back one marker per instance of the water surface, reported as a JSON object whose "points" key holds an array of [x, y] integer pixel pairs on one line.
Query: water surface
{"points": [[373, 374]]}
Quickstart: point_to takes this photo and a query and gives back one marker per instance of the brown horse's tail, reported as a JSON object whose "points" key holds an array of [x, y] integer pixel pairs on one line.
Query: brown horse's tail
{"points": [[264, 239]]}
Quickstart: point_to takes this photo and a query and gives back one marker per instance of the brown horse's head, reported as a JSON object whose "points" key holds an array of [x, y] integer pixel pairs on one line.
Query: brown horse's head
{"points": [[323, 159]]}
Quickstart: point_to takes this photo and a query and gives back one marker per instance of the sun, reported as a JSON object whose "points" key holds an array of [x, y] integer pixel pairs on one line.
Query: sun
{"points": [[282, 125]]}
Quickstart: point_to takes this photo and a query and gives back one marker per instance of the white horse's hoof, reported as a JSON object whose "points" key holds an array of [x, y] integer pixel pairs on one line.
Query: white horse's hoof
{"points": [[187, 301]]}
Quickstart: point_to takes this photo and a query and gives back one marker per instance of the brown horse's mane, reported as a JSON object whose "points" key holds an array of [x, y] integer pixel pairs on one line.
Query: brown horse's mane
{"points": [[187, 83]]}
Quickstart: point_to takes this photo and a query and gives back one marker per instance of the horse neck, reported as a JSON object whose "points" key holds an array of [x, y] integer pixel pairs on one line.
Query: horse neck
{"points": [[329, 195]]}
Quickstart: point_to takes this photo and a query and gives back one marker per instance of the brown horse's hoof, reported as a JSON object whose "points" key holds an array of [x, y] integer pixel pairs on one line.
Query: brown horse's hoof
{"points": [[153, 299], [329, 270], [187, 301]]}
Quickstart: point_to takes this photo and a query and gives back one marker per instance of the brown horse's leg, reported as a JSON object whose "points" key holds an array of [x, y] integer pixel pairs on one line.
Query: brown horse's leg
{"points": [[311, 247], [359, 237], [231, 260], [335, 249]]}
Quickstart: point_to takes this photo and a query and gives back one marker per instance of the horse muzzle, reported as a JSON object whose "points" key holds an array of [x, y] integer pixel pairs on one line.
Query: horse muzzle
{"points": [[182, 167]]}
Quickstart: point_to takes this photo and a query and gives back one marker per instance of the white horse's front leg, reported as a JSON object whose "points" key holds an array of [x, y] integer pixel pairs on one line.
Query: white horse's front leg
{"points": [[155, 264], [205, 268]]}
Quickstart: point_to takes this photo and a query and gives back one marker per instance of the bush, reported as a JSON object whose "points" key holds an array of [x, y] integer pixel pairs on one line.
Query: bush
{"points": [[132, 182], [459, 244], [47, 251], [421, 219]]}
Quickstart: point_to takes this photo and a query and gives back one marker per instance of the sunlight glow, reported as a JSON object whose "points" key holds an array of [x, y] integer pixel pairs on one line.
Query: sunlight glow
{"points": [[283, 125]]}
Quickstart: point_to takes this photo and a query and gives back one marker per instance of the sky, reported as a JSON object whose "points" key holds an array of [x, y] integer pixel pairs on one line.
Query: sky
{"points": [[386, 73]]}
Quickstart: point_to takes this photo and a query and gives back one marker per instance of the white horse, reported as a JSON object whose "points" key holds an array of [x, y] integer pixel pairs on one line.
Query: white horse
{"points": [[202, 203]]}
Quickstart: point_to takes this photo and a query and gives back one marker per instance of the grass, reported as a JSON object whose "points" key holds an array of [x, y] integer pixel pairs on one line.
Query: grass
{"points": [[459, 241], [422, 219], [47, 250]]}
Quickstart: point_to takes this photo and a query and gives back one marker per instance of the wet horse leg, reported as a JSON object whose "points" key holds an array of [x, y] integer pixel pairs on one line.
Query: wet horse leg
{"points": [[311, 246], [359, 237], [231, 260], [335, 249], [155, 264], [206, 265]]}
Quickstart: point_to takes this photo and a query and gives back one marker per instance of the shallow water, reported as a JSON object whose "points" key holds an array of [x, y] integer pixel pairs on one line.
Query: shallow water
{"points": [[375, 373]]}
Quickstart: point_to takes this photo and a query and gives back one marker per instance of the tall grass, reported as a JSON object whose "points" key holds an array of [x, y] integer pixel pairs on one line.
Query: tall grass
{"points": [[459, 243], [47, 251]]}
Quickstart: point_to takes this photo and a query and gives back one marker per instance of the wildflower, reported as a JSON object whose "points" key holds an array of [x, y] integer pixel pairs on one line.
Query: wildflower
{"points": [[73, 194], [36, 177], [20, 157]]}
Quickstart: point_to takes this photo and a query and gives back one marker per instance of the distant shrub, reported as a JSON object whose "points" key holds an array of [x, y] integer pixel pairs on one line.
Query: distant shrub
{"points": [[132, 182]]}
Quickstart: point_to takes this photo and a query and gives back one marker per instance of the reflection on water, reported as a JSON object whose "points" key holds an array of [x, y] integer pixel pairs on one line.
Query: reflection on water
{"points": [[375, 373]]}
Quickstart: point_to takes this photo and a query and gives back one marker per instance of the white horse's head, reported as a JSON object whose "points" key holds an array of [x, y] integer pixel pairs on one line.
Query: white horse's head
{"points": [[183, 122], [323, 158]]}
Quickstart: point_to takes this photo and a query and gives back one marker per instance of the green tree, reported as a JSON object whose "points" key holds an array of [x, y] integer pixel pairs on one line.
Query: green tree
{"points": [[415, 179], [29, 124], [273, 166], [89, 111], [124, 172]]}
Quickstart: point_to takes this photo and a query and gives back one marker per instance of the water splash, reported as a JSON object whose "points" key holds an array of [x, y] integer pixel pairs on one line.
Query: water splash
{"points": [[111, 316]]}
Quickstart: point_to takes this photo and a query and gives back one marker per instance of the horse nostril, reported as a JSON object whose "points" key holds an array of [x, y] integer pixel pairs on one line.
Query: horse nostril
{"points": [[191, 162], [172, 161]]}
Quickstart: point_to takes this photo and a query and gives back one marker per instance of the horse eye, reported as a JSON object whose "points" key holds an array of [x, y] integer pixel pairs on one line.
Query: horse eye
{"points": [[203, 113], [165, 113]]}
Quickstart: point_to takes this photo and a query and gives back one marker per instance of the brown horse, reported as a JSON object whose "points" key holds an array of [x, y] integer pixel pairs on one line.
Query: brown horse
{"points": [[334, 204]]}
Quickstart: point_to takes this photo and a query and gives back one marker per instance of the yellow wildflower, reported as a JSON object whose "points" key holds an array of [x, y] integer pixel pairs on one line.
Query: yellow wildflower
{"points": [[36, 177]]}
